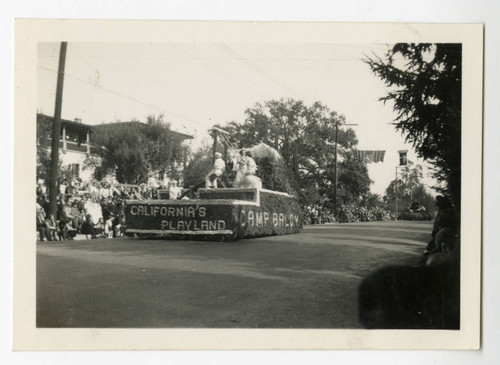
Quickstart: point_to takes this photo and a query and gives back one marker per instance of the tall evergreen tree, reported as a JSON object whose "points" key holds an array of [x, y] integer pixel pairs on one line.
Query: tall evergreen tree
{"points": [[425, 86]]}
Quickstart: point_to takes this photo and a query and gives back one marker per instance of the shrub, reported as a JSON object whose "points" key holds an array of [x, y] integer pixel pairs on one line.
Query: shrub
{"points": [[350, 213]]}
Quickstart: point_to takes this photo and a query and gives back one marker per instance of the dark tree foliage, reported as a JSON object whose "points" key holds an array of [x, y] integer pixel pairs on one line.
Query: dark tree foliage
{"points": [[353, 180], [372, 200], [135, 151], [421, 196], [198, 166], [425, 87], [305, 138]]}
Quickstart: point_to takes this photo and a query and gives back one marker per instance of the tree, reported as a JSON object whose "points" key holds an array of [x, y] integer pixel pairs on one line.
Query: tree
{"points": [[305, 138], [198, 166], [372, 200], [425, 87], [353, 180], [134, 151], [409, 190], [425, 199], [411, 175]]}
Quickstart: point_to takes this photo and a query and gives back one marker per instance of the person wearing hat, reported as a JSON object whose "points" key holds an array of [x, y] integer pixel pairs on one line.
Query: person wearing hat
{"points": [[216, 172]]}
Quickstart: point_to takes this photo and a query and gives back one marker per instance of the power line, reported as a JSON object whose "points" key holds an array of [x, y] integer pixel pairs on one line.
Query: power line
{"points": [[198, 58], [231, 52], [394, 136]]}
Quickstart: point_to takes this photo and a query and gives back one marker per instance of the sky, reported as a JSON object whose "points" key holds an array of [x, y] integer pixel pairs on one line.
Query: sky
{"points": [[197, 85]]}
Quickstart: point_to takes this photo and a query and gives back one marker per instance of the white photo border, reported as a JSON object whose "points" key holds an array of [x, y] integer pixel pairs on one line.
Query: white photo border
{"points": [[28, 33]]}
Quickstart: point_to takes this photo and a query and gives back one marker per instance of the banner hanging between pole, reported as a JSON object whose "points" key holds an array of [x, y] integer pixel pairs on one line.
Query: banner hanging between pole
{"points": [[370, 156]]}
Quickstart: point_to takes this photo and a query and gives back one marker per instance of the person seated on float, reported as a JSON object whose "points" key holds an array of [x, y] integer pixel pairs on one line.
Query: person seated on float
{"points": [[174, 191], [216, 172], [251, 165], [245, 175]]}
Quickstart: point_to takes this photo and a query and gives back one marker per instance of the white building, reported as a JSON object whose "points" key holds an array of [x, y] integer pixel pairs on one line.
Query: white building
{"points": [[74, 143]]}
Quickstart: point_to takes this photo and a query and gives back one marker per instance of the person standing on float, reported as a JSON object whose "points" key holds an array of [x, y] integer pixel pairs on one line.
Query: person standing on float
{"points": [[241, 169], [216, 172], [174, 191]]}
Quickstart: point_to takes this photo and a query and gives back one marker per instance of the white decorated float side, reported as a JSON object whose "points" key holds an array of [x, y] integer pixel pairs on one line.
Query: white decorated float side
{"points": [[219, 214]]}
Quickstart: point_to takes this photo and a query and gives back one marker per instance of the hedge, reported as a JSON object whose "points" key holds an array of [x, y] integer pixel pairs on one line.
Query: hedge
{"points": [[349, 213]]}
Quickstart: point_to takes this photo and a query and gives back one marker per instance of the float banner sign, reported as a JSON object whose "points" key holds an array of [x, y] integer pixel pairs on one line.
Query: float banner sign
{"points": [[273, 215], [173, 216]]}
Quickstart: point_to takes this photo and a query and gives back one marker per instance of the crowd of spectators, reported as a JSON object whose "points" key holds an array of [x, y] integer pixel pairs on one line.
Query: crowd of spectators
{"points": [[318, 214], [94, 209]]}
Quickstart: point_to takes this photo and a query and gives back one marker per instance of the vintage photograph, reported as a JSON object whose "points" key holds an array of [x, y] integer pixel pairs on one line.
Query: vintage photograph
{"points": [[225, 183]]}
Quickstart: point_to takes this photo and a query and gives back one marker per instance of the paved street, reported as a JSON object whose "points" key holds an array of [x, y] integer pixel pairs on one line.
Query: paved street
{"points": [[308, 280]]}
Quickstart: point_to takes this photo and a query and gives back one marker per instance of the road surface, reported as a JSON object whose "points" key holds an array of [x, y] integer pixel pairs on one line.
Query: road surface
{"points": [[307, 280]]}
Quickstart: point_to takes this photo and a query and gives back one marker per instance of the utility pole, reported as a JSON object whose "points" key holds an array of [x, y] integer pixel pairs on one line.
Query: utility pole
{"points": [[403, 161], [56, 132], [396, 192]]}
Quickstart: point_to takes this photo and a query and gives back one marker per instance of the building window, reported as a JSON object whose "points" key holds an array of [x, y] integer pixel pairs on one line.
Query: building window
{"points": [[75, 169]]}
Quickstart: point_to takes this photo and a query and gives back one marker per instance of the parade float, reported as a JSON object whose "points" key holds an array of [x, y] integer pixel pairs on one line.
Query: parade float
{"points": [[244, 210]]}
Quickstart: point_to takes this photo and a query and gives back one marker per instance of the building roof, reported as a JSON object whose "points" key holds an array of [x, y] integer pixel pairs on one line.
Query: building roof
{"points": [[76, 125], [86, 127]]}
